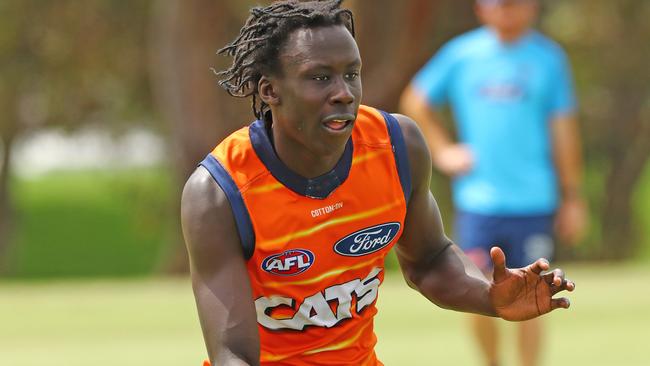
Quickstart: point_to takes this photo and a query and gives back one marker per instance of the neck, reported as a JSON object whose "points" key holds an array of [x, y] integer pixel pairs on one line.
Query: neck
{"points": [[509, 37], [303, 161]]}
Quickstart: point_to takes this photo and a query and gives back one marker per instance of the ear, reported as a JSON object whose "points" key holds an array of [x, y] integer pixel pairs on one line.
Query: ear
{"points": [[268, 90]]}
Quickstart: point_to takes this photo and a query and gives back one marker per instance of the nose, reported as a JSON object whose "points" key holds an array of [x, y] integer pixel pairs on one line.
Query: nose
{"points": [[342, 93]]}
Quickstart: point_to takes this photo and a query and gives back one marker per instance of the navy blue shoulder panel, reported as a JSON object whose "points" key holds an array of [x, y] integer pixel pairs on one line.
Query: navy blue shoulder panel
{"points": [[400, 152], [239, 211]]}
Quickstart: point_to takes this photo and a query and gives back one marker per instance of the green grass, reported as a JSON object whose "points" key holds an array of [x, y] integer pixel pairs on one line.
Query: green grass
{"points": [[154, 322], [606, 325], [641, 207], [91, 223]]}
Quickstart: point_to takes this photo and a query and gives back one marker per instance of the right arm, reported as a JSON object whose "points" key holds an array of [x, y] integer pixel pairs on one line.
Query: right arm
{"points": [[219, 277], [449, 157]]}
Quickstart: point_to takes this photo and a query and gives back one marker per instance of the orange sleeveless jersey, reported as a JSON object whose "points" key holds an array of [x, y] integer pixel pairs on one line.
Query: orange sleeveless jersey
{"points": [[316, 247]]}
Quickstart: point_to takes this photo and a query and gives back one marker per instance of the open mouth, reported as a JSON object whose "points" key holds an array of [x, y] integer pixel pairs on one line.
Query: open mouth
{"points": [[338, 124]]}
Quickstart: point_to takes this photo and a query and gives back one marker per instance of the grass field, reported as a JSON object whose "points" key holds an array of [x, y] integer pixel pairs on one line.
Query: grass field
{"points": [[153, 322]]}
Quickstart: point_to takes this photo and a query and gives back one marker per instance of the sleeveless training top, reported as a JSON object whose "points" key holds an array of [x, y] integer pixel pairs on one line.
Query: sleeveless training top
{"points": [[315, 247]]}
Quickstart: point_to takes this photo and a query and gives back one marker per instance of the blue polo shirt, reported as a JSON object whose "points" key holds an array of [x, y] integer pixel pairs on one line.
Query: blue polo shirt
{"points": [[503, 98]]}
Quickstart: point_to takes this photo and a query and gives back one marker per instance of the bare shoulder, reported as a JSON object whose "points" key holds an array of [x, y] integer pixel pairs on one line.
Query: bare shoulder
{"points": [[202, 198], [206, 215], [418, 152]]}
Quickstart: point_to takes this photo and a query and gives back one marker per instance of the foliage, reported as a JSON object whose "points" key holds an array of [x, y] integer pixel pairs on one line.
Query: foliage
{"points": [[91, 223], [68, 62], [606, 41]]}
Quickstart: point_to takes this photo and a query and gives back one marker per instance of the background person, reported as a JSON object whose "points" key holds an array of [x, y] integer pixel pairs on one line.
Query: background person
{"points": [[517, 165]]}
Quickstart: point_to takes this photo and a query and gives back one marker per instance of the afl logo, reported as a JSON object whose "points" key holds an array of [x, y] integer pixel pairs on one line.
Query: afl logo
{"points": [[368, 240], [289, 263]]}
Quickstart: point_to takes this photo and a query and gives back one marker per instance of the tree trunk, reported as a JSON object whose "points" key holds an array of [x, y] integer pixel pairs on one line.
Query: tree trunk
{"points": [[6, 208], [185, 35], [628, 132], [397, 37], [633, 151], [394, 43]]}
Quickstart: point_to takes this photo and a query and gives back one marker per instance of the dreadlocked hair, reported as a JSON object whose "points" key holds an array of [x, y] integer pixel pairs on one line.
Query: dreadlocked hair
{"points": [[255, 51]]}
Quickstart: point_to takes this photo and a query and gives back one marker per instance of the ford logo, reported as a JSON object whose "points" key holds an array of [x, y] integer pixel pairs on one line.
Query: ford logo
{"points": [[368, 240], [289, 263]]}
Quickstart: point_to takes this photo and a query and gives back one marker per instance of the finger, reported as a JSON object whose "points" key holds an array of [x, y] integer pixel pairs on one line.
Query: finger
{"points": [[557, 282], [557, 277], [498, 263], [570, 285], [561, 302], [565, 285], [539, 266]]}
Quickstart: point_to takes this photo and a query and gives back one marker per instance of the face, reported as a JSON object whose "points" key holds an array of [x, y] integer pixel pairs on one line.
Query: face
{"points": [[316, 97], [510, 18]]}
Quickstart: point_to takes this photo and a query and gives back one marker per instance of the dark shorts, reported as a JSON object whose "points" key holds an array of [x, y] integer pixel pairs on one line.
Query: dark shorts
{"points": [[524, 239]]}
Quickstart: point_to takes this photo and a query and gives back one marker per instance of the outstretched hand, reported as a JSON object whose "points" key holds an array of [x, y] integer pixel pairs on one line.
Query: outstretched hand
{"points": [[525, 293]]}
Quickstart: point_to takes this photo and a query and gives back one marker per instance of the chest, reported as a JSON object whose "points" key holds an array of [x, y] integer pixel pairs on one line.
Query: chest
{"points": [[504, 77], [301, 238]]}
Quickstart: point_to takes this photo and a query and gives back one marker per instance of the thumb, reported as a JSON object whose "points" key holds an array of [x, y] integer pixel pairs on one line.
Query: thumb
{"points": [[499, 263]]}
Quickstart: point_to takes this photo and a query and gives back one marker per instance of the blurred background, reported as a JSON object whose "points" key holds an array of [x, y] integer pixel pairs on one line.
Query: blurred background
{"points": [[106, 106]]}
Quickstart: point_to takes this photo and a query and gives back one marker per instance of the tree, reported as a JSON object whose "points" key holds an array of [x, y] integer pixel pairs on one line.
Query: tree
{"points": [[185, 35], [604, 39], [65, 64], [397, 37]]}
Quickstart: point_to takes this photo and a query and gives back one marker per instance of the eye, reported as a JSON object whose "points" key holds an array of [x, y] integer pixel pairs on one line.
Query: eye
{"points": [[321, 78], [352, 75]]}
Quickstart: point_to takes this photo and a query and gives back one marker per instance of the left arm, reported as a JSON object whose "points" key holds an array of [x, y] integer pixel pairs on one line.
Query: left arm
{"points": [[571, 217], [438, 269], [430, 262]]}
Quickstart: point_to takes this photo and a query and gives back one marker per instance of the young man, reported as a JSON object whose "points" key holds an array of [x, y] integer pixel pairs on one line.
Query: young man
{"points": [[517, 165], [287, 222]]}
